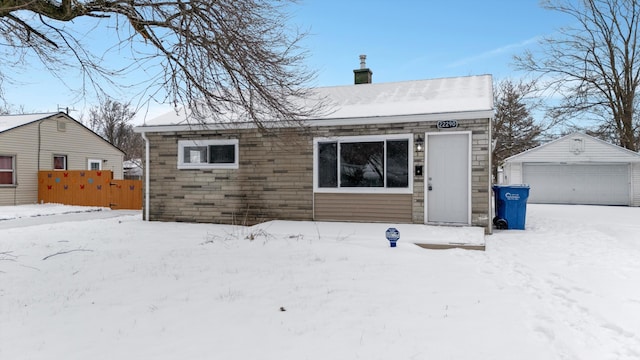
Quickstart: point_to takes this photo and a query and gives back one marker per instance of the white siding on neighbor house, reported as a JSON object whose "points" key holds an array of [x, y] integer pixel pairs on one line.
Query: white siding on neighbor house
{"points": [[512, 173], [635, 184], [76, 142], [20, 142], [79, 144]]}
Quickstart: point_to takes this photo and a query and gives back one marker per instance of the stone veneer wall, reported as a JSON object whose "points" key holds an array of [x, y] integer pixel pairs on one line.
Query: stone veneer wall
{"points": [[275, 175], [273, 181]]}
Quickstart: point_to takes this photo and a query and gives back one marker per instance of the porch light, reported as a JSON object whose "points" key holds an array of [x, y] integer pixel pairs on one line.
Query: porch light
{"points": [[419, 143]]}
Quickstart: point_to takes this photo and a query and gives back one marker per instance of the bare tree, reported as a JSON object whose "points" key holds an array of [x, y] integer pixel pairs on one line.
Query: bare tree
{"points": [[226, 60], [514, 129], [7, 109], [111, 120], [594, 65]]}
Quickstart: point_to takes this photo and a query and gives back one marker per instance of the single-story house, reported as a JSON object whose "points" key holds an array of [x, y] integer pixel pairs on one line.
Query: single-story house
{"points": [[577, 169], [48, 141], [402, 152]]}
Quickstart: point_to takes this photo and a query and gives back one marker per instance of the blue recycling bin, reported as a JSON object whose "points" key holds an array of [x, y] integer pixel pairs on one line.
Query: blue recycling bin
{"points": [[511, 206]]}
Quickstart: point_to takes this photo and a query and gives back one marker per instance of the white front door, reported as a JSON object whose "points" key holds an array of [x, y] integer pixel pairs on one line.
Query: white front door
{"points": [[448, 178]]}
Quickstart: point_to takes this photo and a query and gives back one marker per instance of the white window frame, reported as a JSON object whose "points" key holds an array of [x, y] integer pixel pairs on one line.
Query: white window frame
{"points": [[363, 190], [12, 170], [94, 161], [66, 162], [187, 143]]}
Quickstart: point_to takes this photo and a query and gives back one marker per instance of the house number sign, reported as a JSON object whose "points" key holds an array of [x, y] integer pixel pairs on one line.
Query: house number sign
{"points": [[447, 124]]}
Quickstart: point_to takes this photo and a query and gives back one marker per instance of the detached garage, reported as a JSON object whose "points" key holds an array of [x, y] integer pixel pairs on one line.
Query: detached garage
{"points": [[577, 169]]}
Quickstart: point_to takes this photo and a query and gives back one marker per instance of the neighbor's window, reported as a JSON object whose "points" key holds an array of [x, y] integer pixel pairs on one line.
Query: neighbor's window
{"points": [[59, 162], [363, 162], [201, 154], [94, 164], [7, 170]]}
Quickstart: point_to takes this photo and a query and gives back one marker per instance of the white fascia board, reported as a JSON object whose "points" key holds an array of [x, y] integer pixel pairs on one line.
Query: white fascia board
{"points": [[468, 115]]}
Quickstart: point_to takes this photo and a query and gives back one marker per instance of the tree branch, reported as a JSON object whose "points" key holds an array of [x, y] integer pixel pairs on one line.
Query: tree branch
{"points": [[64, 252], [217, 58]]}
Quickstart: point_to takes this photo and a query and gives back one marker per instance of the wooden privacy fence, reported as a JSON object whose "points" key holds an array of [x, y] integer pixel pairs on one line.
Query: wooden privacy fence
{"points": [[89, 188]]}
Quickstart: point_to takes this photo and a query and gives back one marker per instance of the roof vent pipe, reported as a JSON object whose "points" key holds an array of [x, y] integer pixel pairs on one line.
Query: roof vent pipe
{"points": [[363, 61]]}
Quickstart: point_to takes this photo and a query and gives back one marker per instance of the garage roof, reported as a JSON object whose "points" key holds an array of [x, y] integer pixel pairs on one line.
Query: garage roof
{"points": [[576, 147]]}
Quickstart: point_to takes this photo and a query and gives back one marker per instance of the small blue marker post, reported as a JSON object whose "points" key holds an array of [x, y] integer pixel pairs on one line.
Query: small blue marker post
{"points": [[392, 235]]}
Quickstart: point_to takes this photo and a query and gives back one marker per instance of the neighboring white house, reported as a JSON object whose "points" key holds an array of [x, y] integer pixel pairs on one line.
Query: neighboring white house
{"points": [[48, 141], [577, 169]]}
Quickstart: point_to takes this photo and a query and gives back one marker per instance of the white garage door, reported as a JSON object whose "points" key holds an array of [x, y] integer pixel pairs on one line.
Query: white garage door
{"points": [[601, 184]]}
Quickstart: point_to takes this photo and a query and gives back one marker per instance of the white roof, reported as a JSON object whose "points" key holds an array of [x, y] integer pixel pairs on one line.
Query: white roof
{"points": [[576, 147], [8, 122], [418, 97], [446, 95]]}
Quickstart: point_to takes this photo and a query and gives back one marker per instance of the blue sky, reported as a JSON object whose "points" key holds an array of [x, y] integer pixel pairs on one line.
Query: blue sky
{"points": [[412, 39], [403, 40]]}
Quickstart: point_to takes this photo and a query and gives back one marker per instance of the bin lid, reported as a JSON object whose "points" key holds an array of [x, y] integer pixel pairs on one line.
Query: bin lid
{"points": [[516, 186]]}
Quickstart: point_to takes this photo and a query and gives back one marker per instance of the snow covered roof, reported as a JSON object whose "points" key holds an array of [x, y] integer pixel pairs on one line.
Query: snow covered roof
{"points": [[132, 163], [418, 97], [8, 122], [576, 147], [445, 95]]}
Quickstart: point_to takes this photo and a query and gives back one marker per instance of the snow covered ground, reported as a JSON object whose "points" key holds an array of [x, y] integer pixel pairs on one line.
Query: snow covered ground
{"points": [[567, 287], [30, 211]]}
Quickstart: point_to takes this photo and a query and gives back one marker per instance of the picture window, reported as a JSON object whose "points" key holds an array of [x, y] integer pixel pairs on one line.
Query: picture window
{"points": [[363, 163]]}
